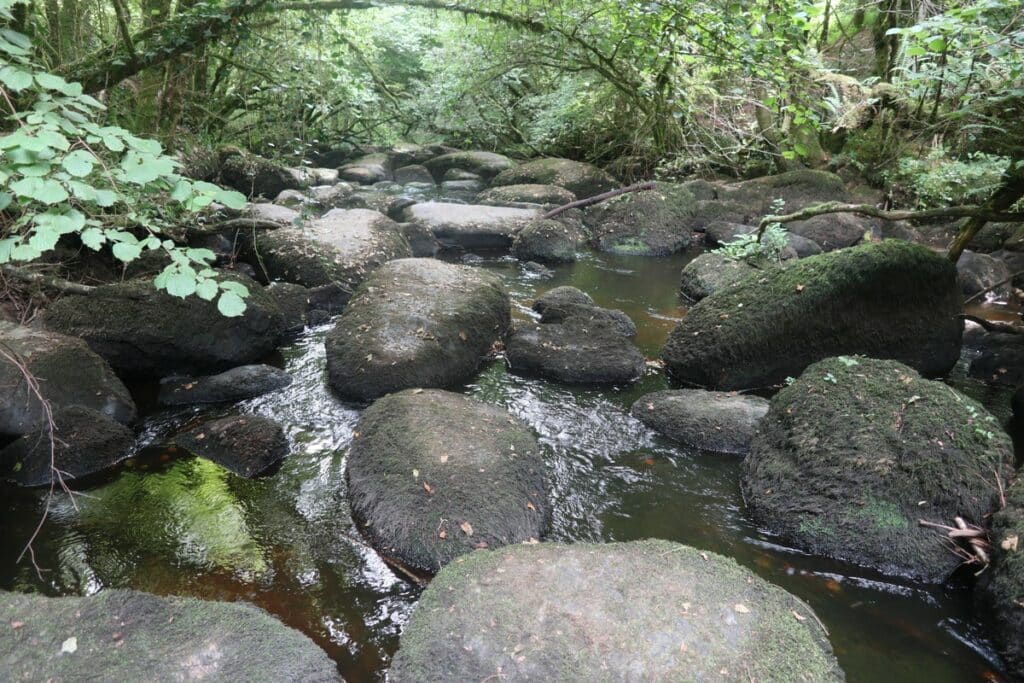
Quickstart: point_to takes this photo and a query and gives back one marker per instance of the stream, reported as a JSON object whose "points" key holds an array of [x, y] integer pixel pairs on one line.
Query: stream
{"points": [[169, 523]]}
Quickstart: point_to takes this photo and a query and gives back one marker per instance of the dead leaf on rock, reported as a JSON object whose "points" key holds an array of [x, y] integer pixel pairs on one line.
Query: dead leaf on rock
{"points": [[742, 609], [428, 488], [1009, 543], [467, 528], [799, 617], [530, 506]]}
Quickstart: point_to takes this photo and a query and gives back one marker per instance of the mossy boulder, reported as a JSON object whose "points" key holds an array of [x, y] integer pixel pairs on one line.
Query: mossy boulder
{"points": [[68, 373], [578, 344], [886, 300], [583, 180], [433, 475], [561, 295], [271, 212], [855, 451], [342, 248], [367, 169], [84, 442], [123, 635], [648, 223], [483, 164], [416, 323], [708, 420], [253, 175], [245, 444], [709, 272], [526, 194], [1001, 589], [796, 189], [470, 226], [548, 241], [832, 231], [236, 384], [646, 610], [414, 173], [143, 332]]}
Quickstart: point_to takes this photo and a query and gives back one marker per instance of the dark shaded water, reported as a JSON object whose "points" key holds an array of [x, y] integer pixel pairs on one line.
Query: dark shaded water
{"points": [[286, 542]]}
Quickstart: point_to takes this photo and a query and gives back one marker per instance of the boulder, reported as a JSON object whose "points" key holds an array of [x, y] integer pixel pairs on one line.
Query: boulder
{"points": [[717, 233], [462, 186], [143, 332], [433, 475], [1001, 588], [271, 212], [706, 212], [253, 175], [67, 372], [244, 444], [856, 450], [796, 190], [294, 303], [709, 272], [84, 442], [998, 357], [888, 300], [456, 174], [557, 313], [832, 231], [648, 223], [123, 635], [331, 196], [367, 169], [292, 199], [416, 173], [526, 194], [561, 295], [583, 180], [420, 238], [548, 241], [642, 611], [802, 246], [708, 420], [416, 323], [586, 347], [978, 272], [342, 247], [468, 226], [483, 164], [236, 384], [387, 203]]}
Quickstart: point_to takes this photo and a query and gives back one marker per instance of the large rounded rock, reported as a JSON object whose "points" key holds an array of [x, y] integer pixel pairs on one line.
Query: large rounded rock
{"points": [[648, 223], [583, 180], [434, 475], [416, 323], [526, 194], [857, 450], [236, 384], [83, 442], [469, 226], [708, 420], [245, 444], [253, 175], [832, 231], [484, 164], [548, 242], [67, 373], [122, 635], [144, 332], [979, 272], [709, 272], [367, 169], [886, 300], [1001, 591], [562, 295], [794, 189], [645, 611], [414, 173], [341, 248]]}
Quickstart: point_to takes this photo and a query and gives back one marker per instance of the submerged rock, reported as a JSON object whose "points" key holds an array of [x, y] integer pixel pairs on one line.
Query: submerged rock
{"points": [[583, 180], [236, 384], [483, 164], [709, 272], [416, 323], [469, 226], [548, 241], [708, 420], [123, 635], [244, 444], [433, 475], [1001, 588], [67, 372], [888, 300], [340, 248], [144, 332], [526, 194], [857, 450], [581, 345], [648, 223], [646, 610], [84, 442]]}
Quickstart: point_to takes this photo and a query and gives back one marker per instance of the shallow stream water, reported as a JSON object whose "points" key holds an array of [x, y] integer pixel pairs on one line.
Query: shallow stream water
{"points": [[179, 525]]}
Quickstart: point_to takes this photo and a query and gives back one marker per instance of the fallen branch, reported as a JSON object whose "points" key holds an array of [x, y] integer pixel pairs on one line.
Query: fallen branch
{"points": [[994, 325], [975, 297], [51, 281], [597, 199]]}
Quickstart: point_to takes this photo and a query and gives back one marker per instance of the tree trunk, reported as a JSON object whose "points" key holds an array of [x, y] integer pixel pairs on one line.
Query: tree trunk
{"points": [[1011, 189]]}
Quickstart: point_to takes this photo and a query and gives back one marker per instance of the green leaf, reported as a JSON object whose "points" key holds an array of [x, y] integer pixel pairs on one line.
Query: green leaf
{"points": [[105, 198], [142, 169], [44, 238], [25, 252], [181, 285], [127, 252], [78, 163], [93, 238], [936, 43], [14, 78], [207, 290], [236, 287], [230, 304], [182, 190], [6, 245], [5, 200], [231, 199], [40, 189]]}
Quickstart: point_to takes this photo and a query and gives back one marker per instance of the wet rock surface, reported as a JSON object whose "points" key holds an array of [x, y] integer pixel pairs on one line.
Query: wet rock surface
{"points": [[467, 226], [548, 241], [245, 444], [857, 450], [434, 475], [707, 273], [235, 384], [647, 610], [707, 420], [1001, 589], [415, 323], [127, 635]]}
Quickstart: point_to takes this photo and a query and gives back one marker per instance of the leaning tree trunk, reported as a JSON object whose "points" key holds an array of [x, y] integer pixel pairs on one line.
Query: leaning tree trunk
{"points": [[1010, 191]]}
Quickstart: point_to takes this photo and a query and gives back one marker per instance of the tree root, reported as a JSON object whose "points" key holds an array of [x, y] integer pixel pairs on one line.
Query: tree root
{"points": [[970, 542], [50, 281]]}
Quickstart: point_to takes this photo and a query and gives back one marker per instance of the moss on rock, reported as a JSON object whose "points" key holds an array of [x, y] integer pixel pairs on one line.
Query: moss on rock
{"points": [[583, 180], [1001, 592], [548, 241], [649, 223]]}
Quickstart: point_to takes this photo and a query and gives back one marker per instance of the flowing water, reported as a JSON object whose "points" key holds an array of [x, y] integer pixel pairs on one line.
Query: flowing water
{"points": [[171, 524]]}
